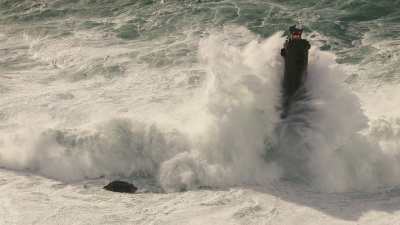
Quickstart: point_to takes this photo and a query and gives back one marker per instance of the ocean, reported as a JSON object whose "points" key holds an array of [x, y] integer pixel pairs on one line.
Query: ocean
{"points": [[182, 98]]}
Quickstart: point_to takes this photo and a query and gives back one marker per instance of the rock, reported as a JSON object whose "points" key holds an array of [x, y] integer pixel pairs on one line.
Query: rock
{"points": [[121, 186]]}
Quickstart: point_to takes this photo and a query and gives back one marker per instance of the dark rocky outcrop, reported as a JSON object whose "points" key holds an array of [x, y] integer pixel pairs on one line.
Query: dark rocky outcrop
{"points": [[121, 186]]}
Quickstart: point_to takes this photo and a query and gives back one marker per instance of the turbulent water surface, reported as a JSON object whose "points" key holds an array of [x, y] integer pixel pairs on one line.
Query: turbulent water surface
{"points": [[185, 96]]}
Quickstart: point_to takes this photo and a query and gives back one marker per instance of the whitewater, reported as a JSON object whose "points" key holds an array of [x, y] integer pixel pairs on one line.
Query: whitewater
{"points": [[182, 98]]}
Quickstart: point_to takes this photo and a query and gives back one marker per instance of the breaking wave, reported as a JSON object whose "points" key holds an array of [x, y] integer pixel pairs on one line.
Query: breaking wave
{"points": [[230, 134]]}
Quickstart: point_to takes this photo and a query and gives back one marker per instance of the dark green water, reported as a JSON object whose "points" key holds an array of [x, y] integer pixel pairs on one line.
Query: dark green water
{"points": [[349, 28]]}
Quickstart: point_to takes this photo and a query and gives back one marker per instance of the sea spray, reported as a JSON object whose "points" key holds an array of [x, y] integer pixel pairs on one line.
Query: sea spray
{"points": [[226, 137]]}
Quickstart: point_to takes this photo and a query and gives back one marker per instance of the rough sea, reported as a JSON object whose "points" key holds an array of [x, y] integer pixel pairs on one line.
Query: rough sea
{"points": [[182, 98]]}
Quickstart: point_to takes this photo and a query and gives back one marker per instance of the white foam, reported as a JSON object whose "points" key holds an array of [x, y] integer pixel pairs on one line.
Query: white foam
{"points": [[221, 135]]}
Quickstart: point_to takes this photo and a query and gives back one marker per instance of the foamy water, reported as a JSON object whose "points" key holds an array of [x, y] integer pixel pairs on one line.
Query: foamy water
{"points": [[182, 98], [215, 129]]}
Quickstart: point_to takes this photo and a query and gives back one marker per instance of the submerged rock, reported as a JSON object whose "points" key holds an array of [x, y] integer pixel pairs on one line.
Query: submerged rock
{"points": [[121, 186]]}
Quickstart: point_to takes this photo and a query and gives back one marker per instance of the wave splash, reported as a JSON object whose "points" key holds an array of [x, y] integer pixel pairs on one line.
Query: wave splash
{"points": [[237, 126]]}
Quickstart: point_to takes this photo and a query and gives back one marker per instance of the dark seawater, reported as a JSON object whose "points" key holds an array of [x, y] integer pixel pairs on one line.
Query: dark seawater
{"points": [[348, 28]]}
